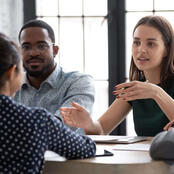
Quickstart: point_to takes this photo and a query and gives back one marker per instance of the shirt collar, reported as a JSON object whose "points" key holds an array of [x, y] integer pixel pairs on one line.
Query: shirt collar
{"points": [[54, 76], [51, 80]]}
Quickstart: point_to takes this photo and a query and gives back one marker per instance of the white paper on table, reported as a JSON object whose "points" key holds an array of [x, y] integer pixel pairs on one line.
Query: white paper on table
{"points": [[133, 147], [117, 139]]}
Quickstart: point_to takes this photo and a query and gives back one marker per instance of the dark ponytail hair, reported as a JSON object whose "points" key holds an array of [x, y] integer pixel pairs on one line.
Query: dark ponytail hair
{"points": [[9, 55]]}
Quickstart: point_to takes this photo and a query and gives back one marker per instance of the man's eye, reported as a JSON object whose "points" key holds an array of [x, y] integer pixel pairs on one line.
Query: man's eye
{"points": [[26, 47], [42, 46]]}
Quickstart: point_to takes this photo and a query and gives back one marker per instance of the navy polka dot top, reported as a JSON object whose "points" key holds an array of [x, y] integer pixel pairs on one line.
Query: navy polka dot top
{"points": [[26, 133]]}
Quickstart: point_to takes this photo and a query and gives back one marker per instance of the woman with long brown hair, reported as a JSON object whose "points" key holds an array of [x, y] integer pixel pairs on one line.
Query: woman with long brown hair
{"points": [[150, 91]]}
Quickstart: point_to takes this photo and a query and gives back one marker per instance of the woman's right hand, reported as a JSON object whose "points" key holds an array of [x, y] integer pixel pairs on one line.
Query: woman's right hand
{"points": [[169, 125], [76, 116]]}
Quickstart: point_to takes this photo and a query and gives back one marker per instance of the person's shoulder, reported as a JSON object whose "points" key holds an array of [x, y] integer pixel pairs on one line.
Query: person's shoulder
{"points": [[76, 75], [21, 108], [6, 99], [162, 145], [24, 85], [169, 83], [171, 78], [37, 112]]}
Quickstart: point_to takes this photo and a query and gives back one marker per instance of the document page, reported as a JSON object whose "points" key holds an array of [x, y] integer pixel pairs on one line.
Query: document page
{"points": [[133, 147], [116, 139]]}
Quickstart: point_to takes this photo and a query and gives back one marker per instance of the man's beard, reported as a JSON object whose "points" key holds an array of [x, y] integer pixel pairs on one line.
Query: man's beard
{"points": [[42, 73], [34, 73]]}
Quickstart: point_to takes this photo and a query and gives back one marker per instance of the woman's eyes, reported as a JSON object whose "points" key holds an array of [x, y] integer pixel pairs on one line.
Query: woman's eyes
{"points": [[136, 43], [149, 44]]}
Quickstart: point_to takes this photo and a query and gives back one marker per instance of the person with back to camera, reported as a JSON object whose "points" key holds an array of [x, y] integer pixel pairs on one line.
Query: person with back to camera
{"points": [[150, 91], [45, 83], [162, 144], [26, 133]]}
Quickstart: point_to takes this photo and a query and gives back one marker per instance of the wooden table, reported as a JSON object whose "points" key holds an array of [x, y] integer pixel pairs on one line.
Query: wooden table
{"points": [[123, 162]]}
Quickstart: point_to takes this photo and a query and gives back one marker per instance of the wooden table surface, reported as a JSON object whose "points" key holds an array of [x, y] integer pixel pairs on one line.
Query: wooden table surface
{"points": [[122, 162]]}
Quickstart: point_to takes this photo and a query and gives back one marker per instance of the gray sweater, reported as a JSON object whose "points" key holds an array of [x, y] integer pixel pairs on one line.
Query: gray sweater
{"points": [[162, 147]]}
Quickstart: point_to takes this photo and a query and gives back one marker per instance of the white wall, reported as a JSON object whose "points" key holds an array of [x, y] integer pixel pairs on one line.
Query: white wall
{"points": [[11, 17]]}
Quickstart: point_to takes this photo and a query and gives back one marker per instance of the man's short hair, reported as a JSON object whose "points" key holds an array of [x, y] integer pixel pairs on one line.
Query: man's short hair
{"points": [[41, 24]]}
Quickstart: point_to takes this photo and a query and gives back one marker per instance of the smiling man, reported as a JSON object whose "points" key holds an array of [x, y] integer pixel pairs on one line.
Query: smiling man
{"points": [[45, 84]]}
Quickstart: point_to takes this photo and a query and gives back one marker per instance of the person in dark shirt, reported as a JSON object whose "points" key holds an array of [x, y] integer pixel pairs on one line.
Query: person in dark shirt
{"points": [[162, 144], [26, 133], [150, 92]]}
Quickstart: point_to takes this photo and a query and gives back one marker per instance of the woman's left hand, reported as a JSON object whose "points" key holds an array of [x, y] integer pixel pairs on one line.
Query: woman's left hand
{"points": [[135, 90]]}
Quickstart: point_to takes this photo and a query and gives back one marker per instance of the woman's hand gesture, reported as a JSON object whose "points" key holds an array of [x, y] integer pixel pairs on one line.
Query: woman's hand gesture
{"points": [[76, 116], [135, 90]]}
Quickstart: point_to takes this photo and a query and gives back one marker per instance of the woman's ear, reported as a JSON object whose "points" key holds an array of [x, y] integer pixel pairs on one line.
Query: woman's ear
{"points": [[10, 75]]}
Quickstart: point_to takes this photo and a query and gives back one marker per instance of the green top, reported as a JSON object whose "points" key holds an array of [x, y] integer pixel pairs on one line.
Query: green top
{"points": [[149, 119]]}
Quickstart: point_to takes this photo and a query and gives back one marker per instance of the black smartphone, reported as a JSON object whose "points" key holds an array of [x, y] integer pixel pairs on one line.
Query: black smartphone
{"points": [[105, 153]]}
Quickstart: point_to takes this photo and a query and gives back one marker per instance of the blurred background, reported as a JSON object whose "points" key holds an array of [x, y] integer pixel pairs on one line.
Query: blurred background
{"points": [[94, 37]]}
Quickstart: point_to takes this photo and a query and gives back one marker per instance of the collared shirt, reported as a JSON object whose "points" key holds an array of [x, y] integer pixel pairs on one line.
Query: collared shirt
{"points": [[26, 133], [58, 90]]}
